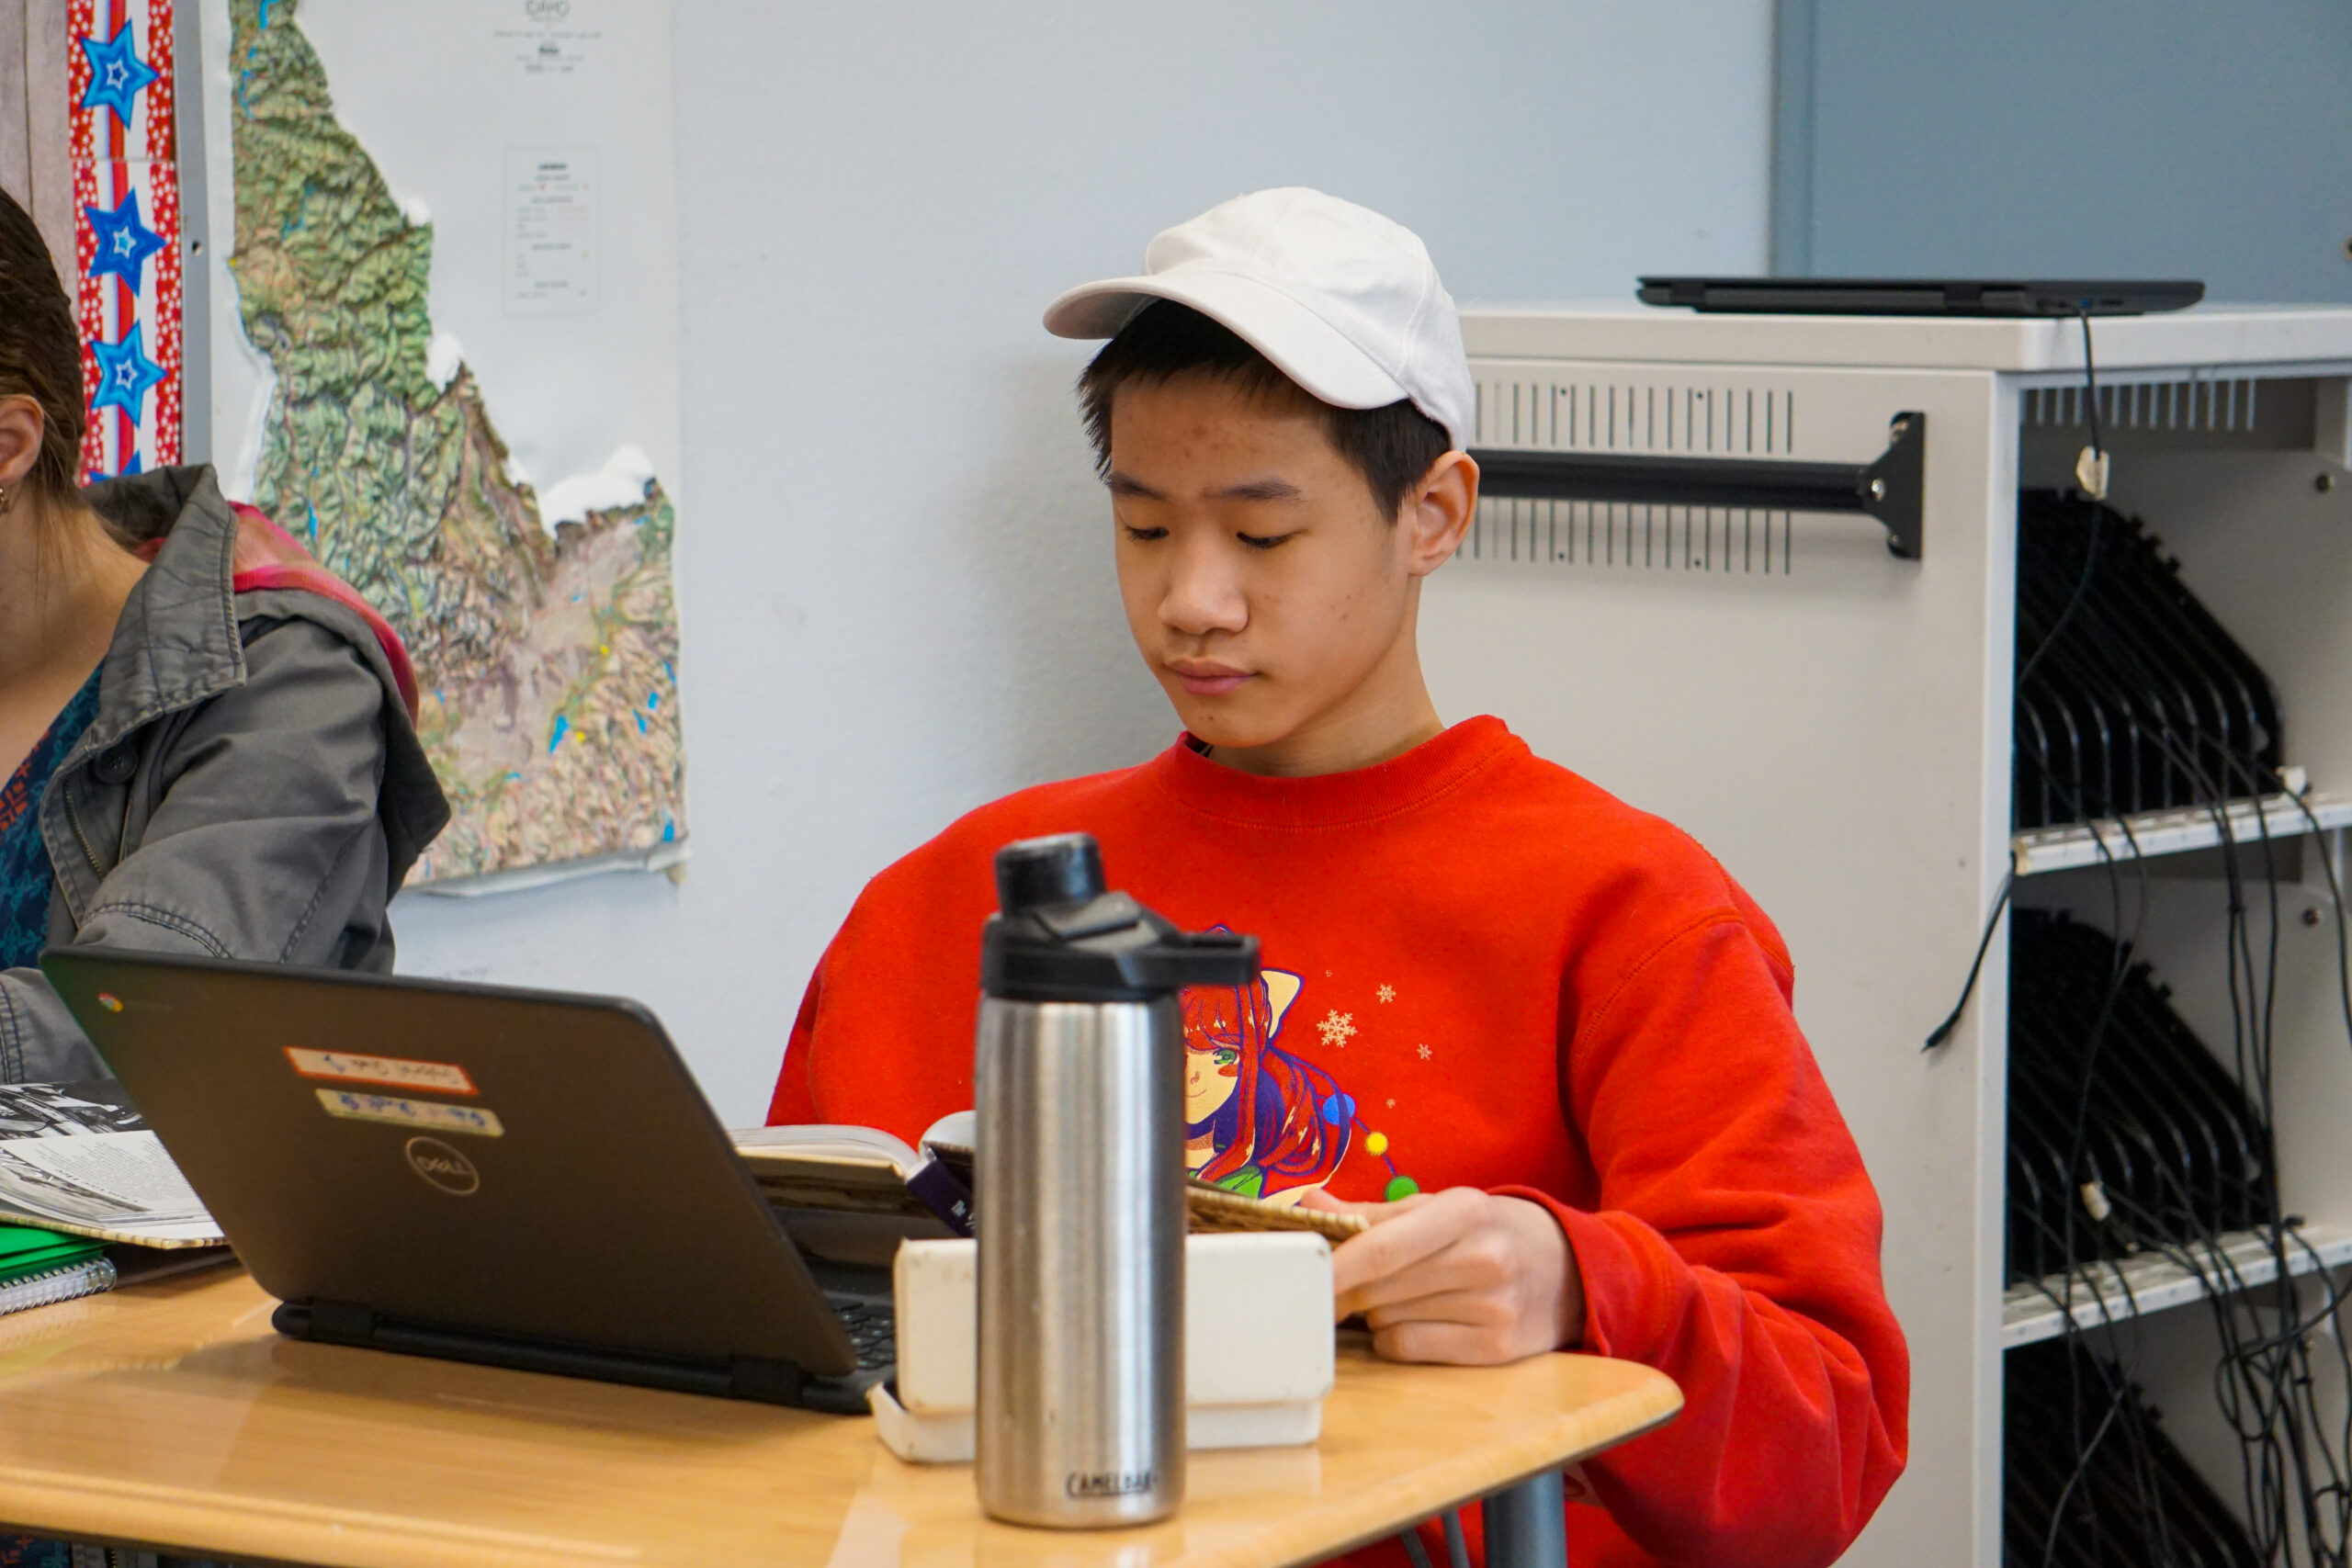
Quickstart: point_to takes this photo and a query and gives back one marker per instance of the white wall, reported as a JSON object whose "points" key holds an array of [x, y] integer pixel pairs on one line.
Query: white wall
{"points": [[895, 564]]}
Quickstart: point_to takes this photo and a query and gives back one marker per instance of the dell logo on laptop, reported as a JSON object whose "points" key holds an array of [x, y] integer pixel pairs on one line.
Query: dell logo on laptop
{"points": [[442, 1165]]}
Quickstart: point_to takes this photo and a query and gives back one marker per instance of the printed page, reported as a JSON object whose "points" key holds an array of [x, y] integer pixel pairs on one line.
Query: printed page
{"points": [[121, 1182], [817, 1143], [78, 1157]]}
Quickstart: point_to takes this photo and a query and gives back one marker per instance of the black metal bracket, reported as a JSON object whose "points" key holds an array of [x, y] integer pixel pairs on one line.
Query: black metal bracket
{"points": [[1892, 489]]}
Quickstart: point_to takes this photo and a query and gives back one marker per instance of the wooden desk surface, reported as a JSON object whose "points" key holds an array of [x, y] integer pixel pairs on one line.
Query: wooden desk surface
{"points": [[171, 1415]]}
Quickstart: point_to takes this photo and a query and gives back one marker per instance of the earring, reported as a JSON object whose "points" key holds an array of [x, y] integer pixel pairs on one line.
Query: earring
{"points": [[4, 497]]}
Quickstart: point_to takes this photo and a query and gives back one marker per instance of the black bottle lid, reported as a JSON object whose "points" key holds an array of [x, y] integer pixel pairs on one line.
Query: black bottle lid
{"points": [[1058, 937], [1034, 873]]}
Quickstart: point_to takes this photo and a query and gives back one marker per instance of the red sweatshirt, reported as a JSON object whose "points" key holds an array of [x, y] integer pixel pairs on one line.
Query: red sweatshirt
{"points": [[1480, 971]]}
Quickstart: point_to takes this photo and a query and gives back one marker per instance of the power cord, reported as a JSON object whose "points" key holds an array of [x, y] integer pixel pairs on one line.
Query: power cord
{"points": [[2090, 467]]}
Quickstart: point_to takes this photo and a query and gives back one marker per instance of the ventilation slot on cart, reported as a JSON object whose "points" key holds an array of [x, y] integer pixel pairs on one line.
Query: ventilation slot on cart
{"points": [[1673, 477], [2199, 403], [1555, 416], [1588, 533]]}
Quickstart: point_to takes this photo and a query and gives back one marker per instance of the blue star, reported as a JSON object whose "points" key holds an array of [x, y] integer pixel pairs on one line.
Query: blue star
{"points": [[130, 467], [120, 244], [125, 375], [117, 74]]}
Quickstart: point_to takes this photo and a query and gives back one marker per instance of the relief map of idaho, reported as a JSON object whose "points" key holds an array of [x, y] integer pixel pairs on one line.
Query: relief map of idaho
{"points": [[546, 662]]}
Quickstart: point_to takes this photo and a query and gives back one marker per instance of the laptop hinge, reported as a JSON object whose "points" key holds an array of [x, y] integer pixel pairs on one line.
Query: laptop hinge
{"points": [[342, 1322], [773, 1382]]}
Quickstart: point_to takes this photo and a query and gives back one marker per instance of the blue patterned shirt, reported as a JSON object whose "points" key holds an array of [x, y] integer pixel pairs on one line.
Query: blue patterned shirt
{"points": [[26, 875]]}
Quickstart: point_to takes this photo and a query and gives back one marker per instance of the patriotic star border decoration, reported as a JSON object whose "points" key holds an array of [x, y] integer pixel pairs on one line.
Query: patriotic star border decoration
{"points": [[121, 243], [117, 74], [125, 375]]}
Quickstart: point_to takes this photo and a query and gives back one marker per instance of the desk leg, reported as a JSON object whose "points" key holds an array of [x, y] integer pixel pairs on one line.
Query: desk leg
{"points": [[1527, 1527]]}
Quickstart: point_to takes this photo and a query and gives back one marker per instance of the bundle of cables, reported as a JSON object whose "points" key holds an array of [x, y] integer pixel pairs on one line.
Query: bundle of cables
{"points": [[2130, 696], [2154, 1145], [2128, 1136], [2135, 1502]]}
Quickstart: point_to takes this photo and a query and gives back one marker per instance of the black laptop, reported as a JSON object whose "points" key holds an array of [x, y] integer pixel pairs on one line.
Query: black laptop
{"points": [[525, 1178], [1923, 296]]}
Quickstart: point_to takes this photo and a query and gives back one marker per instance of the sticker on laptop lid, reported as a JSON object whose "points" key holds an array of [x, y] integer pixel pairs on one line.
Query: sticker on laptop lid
{"points": [[358, 1105], [395, 1072]]}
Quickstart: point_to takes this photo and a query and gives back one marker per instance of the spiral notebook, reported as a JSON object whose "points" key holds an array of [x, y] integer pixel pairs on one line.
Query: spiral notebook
{"points": [[63, 1284]]}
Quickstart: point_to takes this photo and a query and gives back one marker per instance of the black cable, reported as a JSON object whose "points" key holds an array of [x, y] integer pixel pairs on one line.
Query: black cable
{"points": [[2154, 705], [2082, 585], [2090, 382], [2273, 1369], [2073, 1264], [2266, 1379], [1943, 1031]]}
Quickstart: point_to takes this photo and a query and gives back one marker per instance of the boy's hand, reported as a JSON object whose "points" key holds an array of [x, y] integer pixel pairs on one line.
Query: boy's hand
{"points": [[1457, 1276]]}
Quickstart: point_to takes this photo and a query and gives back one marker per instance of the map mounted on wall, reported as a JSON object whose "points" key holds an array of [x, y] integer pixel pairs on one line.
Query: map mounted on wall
{"points": [[442, 354]]}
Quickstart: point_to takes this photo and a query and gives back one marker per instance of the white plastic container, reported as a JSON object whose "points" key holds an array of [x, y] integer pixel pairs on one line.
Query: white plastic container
{"points": [[1258, 1345]]}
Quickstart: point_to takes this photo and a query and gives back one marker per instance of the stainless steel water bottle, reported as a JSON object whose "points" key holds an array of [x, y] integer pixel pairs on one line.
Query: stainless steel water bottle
{"points": [[1079, 1198]]}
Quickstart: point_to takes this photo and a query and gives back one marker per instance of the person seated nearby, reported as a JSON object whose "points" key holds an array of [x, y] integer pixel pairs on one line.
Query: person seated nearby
{"points": [[206, 740], [1541, 1039]]}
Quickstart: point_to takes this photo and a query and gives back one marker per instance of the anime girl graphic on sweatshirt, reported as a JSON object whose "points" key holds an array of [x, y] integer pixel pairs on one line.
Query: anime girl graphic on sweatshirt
{"points": [[1260, 1121]]}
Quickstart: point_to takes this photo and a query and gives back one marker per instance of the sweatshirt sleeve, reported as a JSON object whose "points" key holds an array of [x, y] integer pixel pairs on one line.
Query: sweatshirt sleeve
{"points": [[1734, 1247], [794, 1100]]}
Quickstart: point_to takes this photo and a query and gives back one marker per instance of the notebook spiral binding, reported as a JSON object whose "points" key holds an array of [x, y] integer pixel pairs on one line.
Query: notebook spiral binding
{"points": [[63, 1284]]}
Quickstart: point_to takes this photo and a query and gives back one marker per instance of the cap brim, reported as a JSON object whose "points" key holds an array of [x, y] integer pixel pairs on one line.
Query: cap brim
{"points": [[1302, 344]]}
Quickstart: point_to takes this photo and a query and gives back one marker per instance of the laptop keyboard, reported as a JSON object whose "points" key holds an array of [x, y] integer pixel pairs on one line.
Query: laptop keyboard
{"points": [[873, 1328]]}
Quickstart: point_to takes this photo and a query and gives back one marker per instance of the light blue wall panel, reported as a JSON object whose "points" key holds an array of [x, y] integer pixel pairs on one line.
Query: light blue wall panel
{"points": [[2148, 137]]}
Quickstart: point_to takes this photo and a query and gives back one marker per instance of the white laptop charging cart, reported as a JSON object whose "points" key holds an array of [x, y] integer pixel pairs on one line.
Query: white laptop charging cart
{"points": [[1832, 718]]}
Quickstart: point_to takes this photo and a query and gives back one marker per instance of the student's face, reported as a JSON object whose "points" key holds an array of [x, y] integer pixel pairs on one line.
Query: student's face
{"points": [[1264, 588]]}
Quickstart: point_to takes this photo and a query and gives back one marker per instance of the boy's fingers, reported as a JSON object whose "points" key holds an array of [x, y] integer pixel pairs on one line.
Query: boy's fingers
{"points": [[1409, 1232], [1470, 1307], [1440, 1275], [1453, 1343], [1375, 1210]]}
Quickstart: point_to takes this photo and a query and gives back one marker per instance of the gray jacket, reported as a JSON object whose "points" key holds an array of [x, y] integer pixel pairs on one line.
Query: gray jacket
{"points": [[251, 786]]}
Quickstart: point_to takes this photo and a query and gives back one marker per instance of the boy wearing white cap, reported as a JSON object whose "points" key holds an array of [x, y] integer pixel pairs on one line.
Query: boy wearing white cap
{"points": [[1541, 1039]]}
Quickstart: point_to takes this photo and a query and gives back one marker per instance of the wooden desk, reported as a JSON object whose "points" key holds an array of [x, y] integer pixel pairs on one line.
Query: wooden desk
{"points": [[170, 1415]]}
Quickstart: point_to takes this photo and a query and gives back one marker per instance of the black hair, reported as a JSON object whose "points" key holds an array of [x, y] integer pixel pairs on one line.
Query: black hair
{"points": [[1392, 447], [40, 351]]}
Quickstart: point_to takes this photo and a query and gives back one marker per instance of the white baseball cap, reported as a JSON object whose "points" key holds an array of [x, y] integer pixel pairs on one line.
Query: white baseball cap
{"points": [[1343, 301]]}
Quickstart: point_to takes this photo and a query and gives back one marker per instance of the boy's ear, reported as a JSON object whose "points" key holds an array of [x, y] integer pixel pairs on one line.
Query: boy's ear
{"points": [[1439, 512]]}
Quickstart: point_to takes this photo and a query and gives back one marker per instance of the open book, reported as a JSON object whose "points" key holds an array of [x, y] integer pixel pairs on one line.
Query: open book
{"points": [[77, 1157], [864, 1171], [843, 1170]]}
